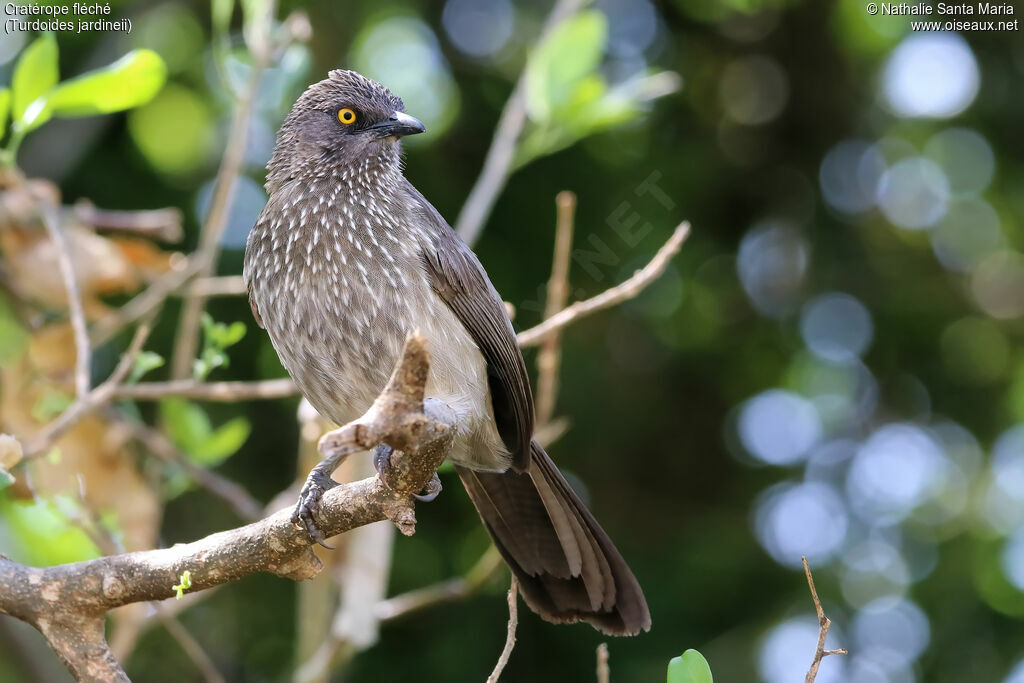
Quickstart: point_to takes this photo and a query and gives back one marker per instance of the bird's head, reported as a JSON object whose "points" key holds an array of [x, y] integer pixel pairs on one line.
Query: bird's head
{"points": [[346, 123]]}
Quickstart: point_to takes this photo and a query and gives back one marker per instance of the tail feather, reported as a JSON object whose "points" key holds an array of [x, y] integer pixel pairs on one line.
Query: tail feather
{"points": [[567, 567]]}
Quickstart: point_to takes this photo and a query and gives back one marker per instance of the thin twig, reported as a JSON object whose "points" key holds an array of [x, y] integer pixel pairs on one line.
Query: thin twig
{"points": [[209, 391], [550, 355], [237, 498], [615, 295], [93, 400], [191, 647], [187, 340], [603, 671], [510, 638], [144, 302], [824, 623], [224, 285], [161, 224], [446, 591], [500, 155], [83, 352]]}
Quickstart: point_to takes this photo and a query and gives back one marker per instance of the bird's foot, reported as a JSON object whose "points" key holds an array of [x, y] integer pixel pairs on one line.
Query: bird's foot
{"points": [[335, 446], [382, 463], [307, 509]]}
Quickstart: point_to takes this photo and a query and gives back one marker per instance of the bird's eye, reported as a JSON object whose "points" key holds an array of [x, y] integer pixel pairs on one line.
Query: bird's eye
{"points": [[346, 116]]}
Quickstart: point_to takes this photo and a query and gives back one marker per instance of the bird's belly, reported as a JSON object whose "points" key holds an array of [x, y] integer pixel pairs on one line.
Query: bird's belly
{"points": [[341, 357]]}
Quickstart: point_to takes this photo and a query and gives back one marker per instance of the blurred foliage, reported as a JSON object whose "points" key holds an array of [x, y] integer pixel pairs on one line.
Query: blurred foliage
{"points": [[36, 96], [831, 367]]}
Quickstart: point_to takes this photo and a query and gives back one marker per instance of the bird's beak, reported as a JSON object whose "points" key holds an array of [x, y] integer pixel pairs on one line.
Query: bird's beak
{"points": [[399, 125]]}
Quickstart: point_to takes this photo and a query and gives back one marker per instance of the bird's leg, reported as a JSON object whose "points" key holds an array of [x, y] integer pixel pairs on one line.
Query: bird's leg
{"points": [[382, 462], [319, 482]]}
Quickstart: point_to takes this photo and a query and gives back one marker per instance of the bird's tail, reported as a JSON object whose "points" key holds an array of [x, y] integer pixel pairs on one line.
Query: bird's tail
{"points": [[567, 567]]}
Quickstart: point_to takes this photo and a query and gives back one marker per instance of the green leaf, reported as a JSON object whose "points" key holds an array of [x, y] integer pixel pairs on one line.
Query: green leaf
{"points": [[14, 337], [129, 82], [144, 362], [50, 405], [690, 667], [5, 108], [220, 15], [35, 74], [572, 52], [223, 442], [186, 422]]}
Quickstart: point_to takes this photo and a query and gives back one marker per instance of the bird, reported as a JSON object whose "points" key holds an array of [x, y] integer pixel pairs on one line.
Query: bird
{"points": [[347, 258]]}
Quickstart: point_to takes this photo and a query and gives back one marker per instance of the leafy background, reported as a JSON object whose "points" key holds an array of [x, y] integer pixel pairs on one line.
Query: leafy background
{"points": [[831, 367]]}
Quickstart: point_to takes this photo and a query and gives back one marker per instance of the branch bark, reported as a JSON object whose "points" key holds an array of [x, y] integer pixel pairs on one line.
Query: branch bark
{"points": [[824, 623], [610, 297], [68, 603]]}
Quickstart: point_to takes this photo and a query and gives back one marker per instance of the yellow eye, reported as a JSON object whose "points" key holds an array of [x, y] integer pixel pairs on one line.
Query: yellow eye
{"points": [[346, 116]]}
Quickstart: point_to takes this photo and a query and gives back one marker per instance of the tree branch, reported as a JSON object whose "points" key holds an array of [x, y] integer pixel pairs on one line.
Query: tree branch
{"points": [[83, 352], [67, 603], [91, 401], [510, 637], [224, 191], [610, 297], [160, 224], [209, 391], [550, 356], [824, 623], [498, 162]]}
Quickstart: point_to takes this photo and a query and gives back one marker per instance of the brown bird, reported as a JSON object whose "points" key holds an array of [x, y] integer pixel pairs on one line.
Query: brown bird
{"points": [[346, 259]]}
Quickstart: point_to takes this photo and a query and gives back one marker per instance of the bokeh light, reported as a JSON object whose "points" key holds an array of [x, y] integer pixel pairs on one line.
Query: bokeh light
{"points": [[849, 175], [772, 261], [754, 90], [931, 75], [402, 53], [969, 232], [895, 470], [794, 520], [998, 284], [871, 569], [896, 626], [913, 193], [174, 130], [965, 157], [836, 327], [779, 427], [480, 28]]}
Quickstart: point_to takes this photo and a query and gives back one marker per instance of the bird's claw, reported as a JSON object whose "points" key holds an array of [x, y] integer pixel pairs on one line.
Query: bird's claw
{"points": [[307, 509], [433, 490], [382, 461]]}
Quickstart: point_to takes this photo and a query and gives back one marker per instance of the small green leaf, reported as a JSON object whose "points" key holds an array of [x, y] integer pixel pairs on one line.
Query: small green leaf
{"points": [[50, 405], [221, 335], [572, 52], [5, 108], [690, 667], [35, 74], [6, 478], [187, 423], [129, 82], [144, 362], [222, 443], [184, 583]]}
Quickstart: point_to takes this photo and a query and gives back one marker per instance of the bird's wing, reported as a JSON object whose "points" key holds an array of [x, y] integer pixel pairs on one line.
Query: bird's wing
{"points": [[248, 280], [458, 278]]}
